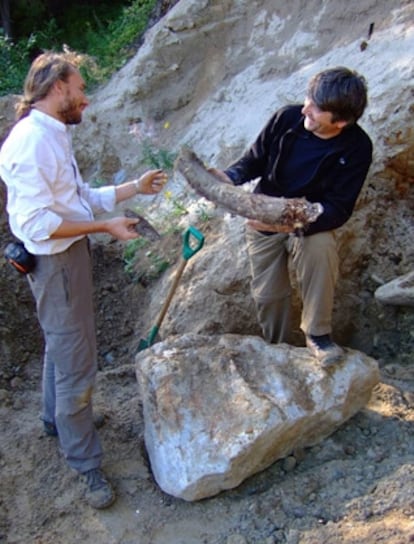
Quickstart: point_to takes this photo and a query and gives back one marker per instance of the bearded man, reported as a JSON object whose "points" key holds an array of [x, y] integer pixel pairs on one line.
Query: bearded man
{"points": [[51, 210]]}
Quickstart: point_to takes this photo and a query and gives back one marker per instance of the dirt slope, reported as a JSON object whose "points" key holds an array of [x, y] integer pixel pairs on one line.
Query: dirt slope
{"points": [[356, 487]]}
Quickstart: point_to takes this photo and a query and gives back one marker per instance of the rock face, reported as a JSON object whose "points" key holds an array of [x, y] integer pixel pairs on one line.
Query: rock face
{"points": [[209, 74], [218, 409]]}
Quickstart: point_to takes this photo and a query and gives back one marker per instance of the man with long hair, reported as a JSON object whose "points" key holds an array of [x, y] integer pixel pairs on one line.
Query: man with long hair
{"points": [[51, 210]]}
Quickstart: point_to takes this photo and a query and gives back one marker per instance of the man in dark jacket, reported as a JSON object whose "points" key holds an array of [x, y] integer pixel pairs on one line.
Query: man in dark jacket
{"points": [[316, 151]]}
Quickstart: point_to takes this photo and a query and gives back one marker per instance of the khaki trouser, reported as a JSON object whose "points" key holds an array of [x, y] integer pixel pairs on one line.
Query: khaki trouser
{"points": [[314, 259]]}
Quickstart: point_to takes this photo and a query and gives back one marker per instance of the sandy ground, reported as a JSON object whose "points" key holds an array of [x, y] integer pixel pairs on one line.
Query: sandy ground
{"points": [[355, 487]]}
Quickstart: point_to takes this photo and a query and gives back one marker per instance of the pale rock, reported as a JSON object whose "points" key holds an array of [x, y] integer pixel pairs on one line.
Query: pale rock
{"points": [[217, 70], [399, 292], [218, 409], [213, 73], [215, 285]]}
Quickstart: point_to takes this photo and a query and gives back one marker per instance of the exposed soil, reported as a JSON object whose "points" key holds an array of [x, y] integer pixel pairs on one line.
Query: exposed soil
{"points": [[356, 487]]}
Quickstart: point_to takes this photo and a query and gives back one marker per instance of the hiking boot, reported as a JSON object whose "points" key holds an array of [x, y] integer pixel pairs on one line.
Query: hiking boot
{"points": [[324, 349], [50, 428], [99, 493]]}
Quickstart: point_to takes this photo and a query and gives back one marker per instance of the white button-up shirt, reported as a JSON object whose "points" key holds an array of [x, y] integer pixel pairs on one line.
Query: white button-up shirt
{"points": [[44, 186]]}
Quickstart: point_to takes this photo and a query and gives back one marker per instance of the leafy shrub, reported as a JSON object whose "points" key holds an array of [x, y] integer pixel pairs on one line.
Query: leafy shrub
{"points": [[157, 157], [112, 43], [14, 63], [109, 42], [143, 263]]}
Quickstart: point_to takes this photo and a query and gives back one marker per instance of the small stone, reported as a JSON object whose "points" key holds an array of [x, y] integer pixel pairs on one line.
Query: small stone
{"points": [[409, 398], [4, 395], [299, 454], [16, 382], [289, 463], [109, 358], [349, 450]]}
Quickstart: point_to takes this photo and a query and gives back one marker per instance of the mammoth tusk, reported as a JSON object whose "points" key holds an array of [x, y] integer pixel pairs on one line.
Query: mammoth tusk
{"points": [[294, 212]]}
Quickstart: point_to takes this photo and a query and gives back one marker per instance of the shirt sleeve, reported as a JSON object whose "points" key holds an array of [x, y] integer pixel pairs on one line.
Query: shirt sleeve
{"points": [[102, 199], [30, 199], [254, 162]]}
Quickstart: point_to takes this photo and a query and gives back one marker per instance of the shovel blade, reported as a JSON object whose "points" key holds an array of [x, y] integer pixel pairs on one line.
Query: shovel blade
{"points": [[145, 343]]}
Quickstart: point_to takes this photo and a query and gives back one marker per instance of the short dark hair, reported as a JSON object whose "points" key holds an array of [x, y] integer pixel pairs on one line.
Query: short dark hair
{"points": [[341, 91]]}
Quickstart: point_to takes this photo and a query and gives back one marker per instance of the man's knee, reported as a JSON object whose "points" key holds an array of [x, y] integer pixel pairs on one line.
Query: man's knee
{"points": [[73, 401]]}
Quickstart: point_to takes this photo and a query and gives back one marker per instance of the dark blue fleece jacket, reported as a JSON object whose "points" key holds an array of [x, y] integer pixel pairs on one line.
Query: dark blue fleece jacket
{"points": [[335, 180]]}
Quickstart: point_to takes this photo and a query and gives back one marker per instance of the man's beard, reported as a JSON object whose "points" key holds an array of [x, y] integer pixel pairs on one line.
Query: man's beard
{"points": [[70, 113]]}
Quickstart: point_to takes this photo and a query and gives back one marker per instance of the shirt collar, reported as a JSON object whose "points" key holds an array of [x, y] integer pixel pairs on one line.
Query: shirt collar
{"points": [[48, 120]]}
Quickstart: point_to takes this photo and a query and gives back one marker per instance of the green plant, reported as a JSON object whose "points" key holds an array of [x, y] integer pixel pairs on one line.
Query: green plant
{"points": [[172, 228], [98, 182], [202, 212], [157, 157], [106, 32], [177, 206], [14, 63], [152, 154], [142, 263], [158, 264], [113, 44], [130, 256], [49, 36]]}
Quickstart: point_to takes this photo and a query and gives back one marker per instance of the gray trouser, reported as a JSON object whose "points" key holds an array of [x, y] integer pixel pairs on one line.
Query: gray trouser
{"points": [[314, 259], [62, 287]]}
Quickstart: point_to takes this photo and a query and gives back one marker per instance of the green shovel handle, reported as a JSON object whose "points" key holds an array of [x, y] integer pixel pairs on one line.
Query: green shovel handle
{"points": [[188, 250]]}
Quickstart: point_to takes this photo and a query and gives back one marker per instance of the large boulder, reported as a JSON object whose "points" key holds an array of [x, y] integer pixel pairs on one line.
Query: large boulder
{"points": [[218, 409]]}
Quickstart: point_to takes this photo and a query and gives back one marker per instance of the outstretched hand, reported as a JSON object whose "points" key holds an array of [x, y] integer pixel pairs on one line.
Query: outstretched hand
{"points": [[122, 228], [152, 182]]}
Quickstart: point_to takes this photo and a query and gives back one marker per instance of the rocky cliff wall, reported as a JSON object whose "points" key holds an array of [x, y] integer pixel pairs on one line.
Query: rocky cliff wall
{"points": [[210, 73]]}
